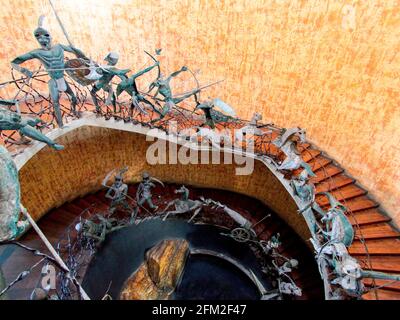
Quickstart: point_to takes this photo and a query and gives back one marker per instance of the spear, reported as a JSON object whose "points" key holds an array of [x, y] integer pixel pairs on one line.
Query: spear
{"points": [[54, 253], [61, 24]]}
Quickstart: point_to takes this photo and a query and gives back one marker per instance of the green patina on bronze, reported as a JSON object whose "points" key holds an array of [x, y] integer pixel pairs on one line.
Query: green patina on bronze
{"points": [[26, 126], [104, 83], [10, 208], [52, 58]]}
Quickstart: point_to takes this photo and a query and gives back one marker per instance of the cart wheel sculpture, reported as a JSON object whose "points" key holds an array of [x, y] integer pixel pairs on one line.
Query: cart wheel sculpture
{"points": [[240, 234]]}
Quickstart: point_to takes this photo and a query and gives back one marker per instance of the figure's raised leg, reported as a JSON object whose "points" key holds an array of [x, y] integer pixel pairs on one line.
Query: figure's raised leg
{"points": [[134, 106], [93, 93], [55, 99], [151, 204], [172, 213], [195, 214], [144, 100], [114, 102], [168, 105]]}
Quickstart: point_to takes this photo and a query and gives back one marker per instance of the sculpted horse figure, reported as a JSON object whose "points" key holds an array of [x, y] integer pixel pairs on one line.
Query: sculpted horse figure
{"points": [[183, 205]]}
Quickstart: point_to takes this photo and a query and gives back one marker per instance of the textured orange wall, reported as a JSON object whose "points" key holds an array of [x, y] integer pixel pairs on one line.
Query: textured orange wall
{"points": [[302, 63]]}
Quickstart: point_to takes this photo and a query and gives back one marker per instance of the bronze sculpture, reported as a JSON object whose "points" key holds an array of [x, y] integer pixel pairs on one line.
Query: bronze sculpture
{"points": [[25, 126], [109, 72], [52, 57], [129, 86]]}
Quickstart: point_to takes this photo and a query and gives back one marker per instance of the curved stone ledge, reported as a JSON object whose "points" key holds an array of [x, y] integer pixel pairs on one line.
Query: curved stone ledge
{"points": [[95, 146]]}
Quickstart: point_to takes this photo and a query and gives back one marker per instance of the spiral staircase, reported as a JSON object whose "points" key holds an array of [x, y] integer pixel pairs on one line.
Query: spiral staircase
{"points": [[376, 245]]}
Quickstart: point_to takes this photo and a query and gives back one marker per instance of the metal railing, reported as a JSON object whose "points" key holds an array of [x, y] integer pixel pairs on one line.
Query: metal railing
{"points": [[32, 102]]}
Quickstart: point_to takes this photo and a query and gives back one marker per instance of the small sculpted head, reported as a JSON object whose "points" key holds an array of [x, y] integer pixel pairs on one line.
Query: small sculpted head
{"points": [[42, 35], [112, 58], [302, 135], [146, 176], [118, 181]]}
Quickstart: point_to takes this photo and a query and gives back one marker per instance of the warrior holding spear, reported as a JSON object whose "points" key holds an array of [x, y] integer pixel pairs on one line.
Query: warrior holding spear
{"points": [[52, 57]]}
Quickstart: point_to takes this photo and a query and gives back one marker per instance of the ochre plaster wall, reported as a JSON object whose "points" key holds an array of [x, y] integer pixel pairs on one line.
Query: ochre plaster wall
{"points": [[302, 63], [52, 178]]}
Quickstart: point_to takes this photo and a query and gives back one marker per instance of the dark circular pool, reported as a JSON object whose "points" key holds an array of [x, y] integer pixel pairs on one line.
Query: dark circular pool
{"points": [[204, 277], [210, 278]]}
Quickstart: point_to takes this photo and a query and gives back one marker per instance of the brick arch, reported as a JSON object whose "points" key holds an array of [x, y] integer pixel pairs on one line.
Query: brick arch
{"points": [[91, 152]]}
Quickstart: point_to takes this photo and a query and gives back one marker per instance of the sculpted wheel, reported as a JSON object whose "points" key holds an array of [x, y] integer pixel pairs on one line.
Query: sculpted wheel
{"points": [[240, 235]]}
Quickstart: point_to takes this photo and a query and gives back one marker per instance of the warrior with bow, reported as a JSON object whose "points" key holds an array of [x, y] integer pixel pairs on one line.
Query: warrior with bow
{"points": [[162, 84], [104, 83], [117, 192], [52, 57], [144, 194]]}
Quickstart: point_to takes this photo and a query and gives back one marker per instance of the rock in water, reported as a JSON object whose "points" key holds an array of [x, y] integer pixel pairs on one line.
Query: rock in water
{"points": [[140, 287], [9, 197], [158, 276], [165, 263]]}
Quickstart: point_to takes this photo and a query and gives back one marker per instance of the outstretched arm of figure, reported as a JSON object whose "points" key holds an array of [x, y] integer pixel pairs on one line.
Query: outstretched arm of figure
{"points": [[75, 51], [152, 86], [21, 59], [318, 209], [109, 193], [122, 77], [140, 73], [176, 73]]}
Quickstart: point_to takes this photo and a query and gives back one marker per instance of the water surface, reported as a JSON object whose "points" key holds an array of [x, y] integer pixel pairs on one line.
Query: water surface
{"points": [[205, 277]]}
